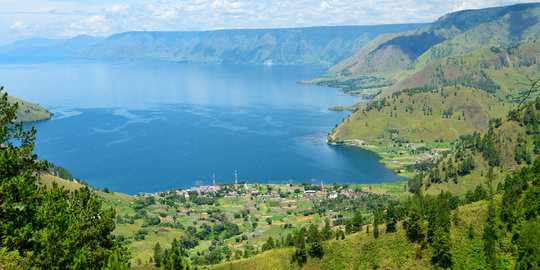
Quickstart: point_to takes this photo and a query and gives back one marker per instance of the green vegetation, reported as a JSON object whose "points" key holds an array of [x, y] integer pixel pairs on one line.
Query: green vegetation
{"points": [[56, 228], [363, 86], [496, 70], [29, 112], [433, 231], [507, 145], [421, 118]]}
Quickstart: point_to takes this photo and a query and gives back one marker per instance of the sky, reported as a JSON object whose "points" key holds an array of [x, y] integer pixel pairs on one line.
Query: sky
{"points": [[22, 19]]}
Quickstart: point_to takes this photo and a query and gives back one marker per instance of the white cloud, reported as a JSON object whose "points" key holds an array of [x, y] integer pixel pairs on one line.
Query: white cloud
{"points": [[104, 18], [17, 25], [463, 6]]}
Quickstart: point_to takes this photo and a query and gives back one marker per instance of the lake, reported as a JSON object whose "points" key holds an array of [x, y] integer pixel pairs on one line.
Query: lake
{"points": [[152, 126]]}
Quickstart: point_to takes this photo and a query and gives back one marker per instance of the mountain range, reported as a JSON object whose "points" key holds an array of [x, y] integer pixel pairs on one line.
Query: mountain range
{"points": [[393, 56], [310, 45]]}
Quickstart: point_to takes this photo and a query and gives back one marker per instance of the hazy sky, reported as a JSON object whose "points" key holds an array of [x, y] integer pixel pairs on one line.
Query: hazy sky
{"points": [[21, 19]]}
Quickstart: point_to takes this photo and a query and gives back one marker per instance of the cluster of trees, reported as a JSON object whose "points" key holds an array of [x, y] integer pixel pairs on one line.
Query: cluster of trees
{"points": [[435, 211], [60, 172], [170, 259], [307, 242], [56, 228], [518, 213], [353, 85]]}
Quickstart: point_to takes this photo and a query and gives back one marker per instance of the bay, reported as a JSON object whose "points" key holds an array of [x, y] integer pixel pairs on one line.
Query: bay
{"points": [[151, 126]]}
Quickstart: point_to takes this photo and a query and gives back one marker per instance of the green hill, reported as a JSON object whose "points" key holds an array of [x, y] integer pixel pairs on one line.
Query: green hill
{"points": [[29, 112], [508, 145], [427, 112], [421, 116], [392, 57]]}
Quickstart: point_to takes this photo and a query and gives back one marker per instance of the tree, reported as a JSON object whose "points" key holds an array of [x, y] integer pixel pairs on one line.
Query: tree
{"points": [[529, 246], [312, 234], [61, 229], [300, 254], [173, 261], [19, 196], [414, 226], [117, 261], [316, 248], [158, 254], [357, 221], [269, 244], [391, 218], [326, 232], [441, 248], [490, 235]]}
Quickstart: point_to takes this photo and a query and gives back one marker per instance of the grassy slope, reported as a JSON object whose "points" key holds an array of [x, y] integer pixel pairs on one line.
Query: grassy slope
{"points": [[30, 112], [476, 105], [389, 251]]}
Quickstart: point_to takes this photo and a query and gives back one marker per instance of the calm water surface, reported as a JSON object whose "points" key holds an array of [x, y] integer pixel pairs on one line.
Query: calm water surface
{"points": [[146, 127]]}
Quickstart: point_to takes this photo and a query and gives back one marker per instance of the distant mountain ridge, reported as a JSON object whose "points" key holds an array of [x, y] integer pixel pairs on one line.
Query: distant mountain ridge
{"points": [[49, 47], [456, 33], [308, 45]]}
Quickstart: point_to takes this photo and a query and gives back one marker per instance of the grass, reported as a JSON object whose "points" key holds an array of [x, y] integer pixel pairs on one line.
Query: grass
{"points": [[419, 118], [29, 112]]}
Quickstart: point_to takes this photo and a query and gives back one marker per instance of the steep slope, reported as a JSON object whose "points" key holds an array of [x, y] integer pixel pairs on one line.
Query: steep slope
{"points": [[311, 45], [455, 33], [507, 146], [497, 70]]}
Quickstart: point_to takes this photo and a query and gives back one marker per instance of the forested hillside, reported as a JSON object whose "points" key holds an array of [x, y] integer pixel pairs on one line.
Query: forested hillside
{"points": [[509, 143], [393, 57]]}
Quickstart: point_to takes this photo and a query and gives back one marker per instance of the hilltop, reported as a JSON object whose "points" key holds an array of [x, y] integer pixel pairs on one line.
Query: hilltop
{"points": [[391, 57]]}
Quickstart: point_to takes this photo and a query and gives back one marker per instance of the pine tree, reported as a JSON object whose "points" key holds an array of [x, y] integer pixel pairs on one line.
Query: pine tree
{"points": [[391, 219], [316, 248], [58, 227], [414, 225], [441, 248], [268, 245], [357, 221], [326, 232], [490, 235], [158, 254]]}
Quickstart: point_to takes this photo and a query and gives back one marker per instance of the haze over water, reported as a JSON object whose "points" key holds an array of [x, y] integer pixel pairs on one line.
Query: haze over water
{"points": [[147, 127]]}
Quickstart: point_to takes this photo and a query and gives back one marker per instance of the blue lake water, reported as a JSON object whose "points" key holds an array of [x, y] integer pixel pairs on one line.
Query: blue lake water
{"points": [[146, 127]]}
